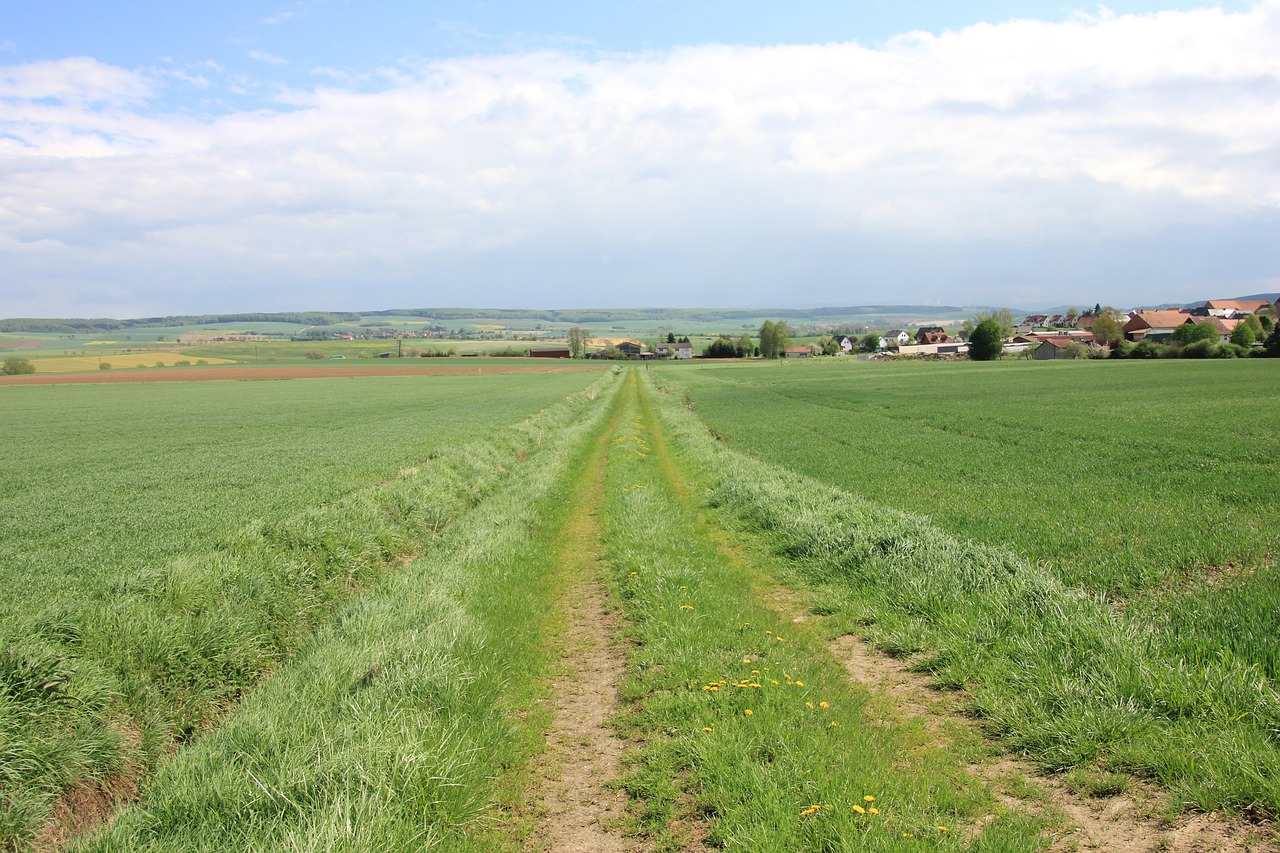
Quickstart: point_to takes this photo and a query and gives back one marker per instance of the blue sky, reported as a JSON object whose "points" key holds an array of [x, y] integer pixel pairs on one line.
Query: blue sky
{"points": [[157, 159]]}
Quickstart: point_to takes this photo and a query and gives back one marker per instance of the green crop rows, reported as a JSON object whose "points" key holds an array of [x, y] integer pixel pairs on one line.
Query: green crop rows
{"points": [[166, 545], [1100, 564]]}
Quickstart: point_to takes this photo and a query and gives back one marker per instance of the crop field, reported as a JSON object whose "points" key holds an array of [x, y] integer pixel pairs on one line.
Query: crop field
{"points": [[1099, 561], [144, 528], [636, 608]]}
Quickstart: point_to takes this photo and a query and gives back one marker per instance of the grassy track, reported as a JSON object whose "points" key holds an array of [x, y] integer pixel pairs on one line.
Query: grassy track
{"points": [[399, 723], [1178, 685], [176, 571], [752, 734]]}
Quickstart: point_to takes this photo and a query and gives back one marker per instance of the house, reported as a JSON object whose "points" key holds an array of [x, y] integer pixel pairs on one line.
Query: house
{"points": [[1156, 325], [798, 352], [1234, 307], [1224, 326], [630, 349], [1035, 320], [1053, 348], [846, 343], [896, 336], [678, 349], [932, 335]]}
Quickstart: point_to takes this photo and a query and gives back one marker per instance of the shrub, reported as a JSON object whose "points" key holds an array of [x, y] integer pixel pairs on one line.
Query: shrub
{"points": [[17, 366], [104, 365], [1148, 349], [1199, 349], [314, 354]]}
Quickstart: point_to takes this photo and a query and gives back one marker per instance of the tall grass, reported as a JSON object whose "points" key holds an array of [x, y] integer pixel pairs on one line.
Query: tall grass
{"points": [[389, 728], [158, 653], [1057, 672]]}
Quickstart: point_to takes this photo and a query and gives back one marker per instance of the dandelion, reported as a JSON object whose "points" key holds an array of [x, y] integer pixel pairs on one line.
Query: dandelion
{"points": [[812, 810], [684, 587], [746, 660], [799, 684], [749, 712], [868, 798], [825, 705], [873, 810], [808, 704], [942, 829], [859, 810], [635, 574], [767, 633], [686, 606], [835, 725], [707, 728]]}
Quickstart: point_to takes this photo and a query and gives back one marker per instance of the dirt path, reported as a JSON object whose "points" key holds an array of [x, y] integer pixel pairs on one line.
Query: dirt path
{"points": [[1129, 821], [583, 813]]}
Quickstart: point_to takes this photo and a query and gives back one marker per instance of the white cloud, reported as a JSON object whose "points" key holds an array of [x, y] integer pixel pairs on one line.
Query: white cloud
{"points": [[1016, 134], [270, 59]]}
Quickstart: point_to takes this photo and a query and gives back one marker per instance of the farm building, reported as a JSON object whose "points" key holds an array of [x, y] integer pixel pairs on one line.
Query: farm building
{"points": [[798, 352], [1233, 307], [1156, 325], [558, 352], [679, 349], [1051, 348]]}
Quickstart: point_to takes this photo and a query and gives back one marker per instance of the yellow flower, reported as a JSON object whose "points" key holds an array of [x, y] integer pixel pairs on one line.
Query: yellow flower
{"points": [[684, 587], [859, 810], [808, 704], [635, 574], [869, 798], [942, 829], [686, 606], [799, 684], [748, 712], [706, 728], [835, 725], [823, 705], [873, 810], [746, 660]]}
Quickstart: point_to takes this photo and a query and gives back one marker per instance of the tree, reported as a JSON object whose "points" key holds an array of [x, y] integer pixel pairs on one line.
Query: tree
{"points": [[17, 366], [768, 339], [745, 346], [1242, 336], [1271, 346], [870, 342], [1106, 328], [987, 341], [671, 337], [1188, 333], [721, 347], [1073, 314], [782, 337], [1003, 317], [578, 338]]}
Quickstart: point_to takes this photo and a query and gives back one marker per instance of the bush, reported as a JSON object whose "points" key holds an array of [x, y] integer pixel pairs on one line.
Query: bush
{"points": [[1199, 349], [1122, 349], [314, 354], [987, 340], [104, 365], [1148, 349], [17, 366]]}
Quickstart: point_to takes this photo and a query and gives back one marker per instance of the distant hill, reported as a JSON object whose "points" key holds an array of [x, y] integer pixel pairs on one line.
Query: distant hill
{"points": [[634, 318]]}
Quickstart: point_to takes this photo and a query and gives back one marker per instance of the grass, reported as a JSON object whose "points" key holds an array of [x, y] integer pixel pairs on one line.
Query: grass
{"points": [[1119, 476], [1174, 685], [178, 570], [393, 725], [747, 722]]}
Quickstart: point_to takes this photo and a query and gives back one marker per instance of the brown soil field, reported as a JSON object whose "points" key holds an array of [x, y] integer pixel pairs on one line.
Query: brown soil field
{"points": [[227, 374]]}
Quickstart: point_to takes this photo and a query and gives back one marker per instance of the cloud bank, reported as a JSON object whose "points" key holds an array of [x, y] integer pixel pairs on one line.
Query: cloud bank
{"points": [[1017, 163]]}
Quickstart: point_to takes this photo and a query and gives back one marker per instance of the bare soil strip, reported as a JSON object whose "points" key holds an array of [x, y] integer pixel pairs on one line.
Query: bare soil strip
{"points": [[226, 374], [583, 813], [1121, 823]]}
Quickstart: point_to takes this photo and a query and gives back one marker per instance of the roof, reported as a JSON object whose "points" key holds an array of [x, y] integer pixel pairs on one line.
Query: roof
{"points": [[1248, 306], [1156, 320], [1223, 325]]}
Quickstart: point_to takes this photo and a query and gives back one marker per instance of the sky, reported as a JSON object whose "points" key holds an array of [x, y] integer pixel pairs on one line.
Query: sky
{"points": [[164, 158]]}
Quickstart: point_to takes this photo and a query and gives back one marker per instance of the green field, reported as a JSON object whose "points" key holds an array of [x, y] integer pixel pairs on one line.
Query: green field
{"points": [[1080, 555], [1091, 548], [165, 545]]}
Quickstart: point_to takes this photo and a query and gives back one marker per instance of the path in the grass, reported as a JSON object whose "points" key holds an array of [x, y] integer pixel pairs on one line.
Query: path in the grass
{"points": [[582, 812], [1128, 822]]}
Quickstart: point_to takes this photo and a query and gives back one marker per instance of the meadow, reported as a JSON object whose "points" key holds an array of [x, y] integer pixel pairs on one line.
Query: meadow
{"points": [[167, 545]]}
